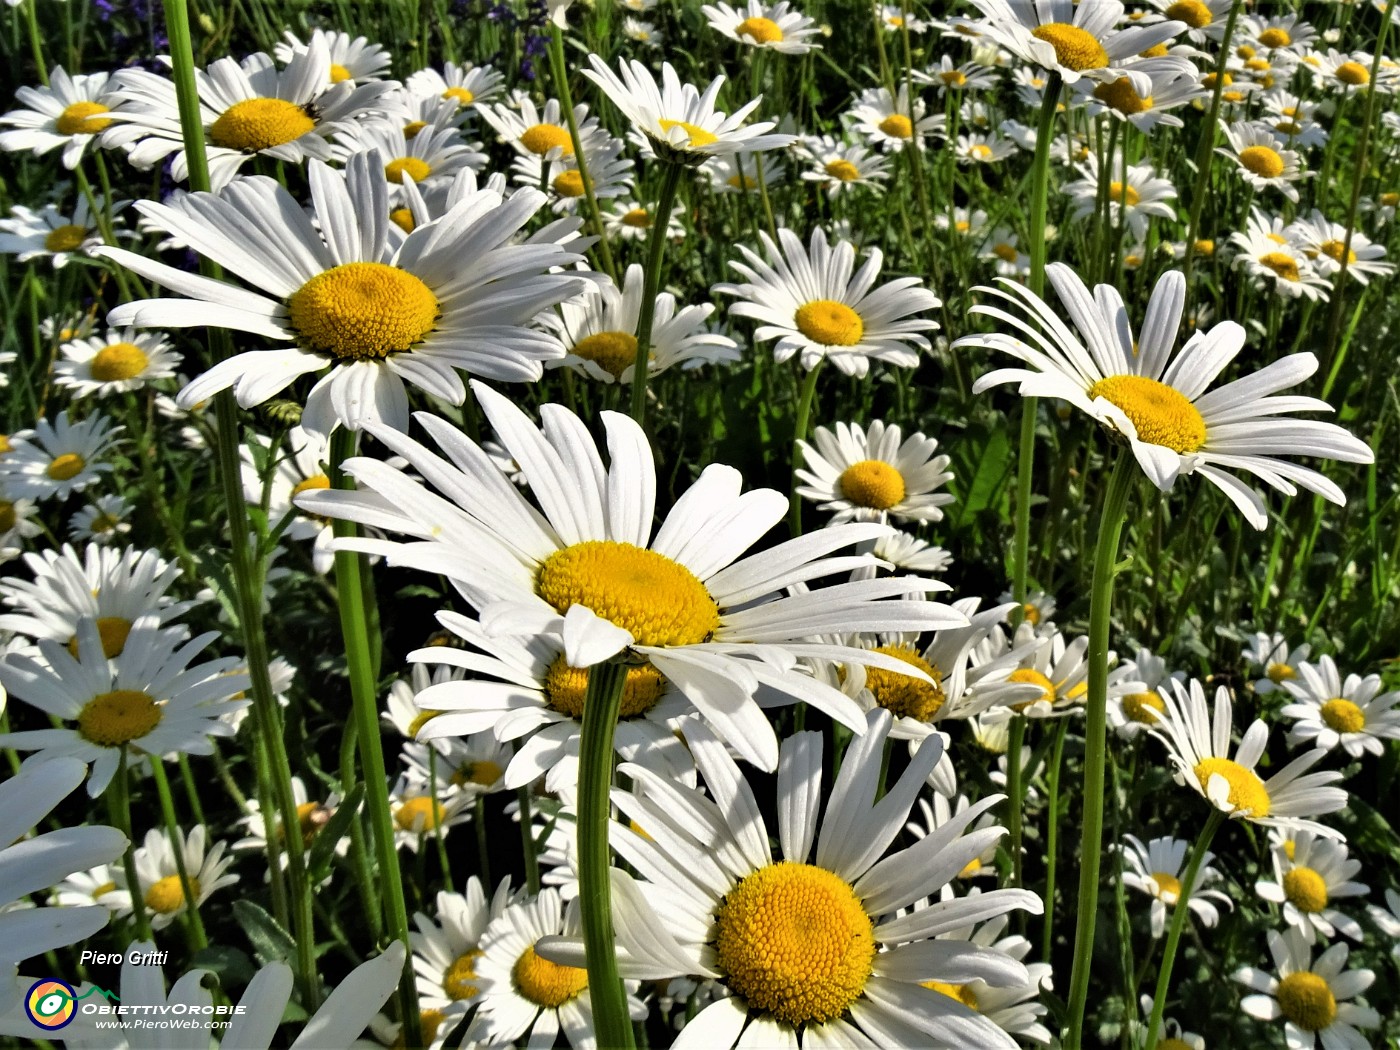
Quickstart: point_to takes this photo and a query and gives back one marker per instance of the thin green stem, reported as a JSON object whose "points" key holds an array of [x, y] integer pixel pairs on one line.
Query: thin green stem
{"points": [[198, 939], [119, 812], [601, 704], [651, 283], [1052, 831], [527, 841], [799, 433], [1113, 515], [36, 43], [191, 789], [1015, 791]]}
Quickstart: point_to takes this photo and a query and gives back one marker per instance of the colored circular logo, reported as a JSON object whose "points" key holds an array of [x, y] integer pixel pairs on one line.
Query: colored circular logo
{"points": [[51, 1003]]}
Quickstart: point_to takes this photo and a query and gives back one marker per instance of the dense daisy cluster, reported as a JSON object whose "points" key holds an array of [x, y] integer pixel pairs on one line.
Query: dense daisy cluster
{"points": [[513, 515]]}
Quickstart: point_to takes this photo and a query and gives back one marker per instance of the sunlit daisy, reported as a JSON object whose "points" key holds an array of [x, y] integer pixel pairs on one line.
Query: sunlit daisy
{"points": [[642, 32], [631, 220], [55, 460], [1272, 655], [1330, 711], [421, 818], [1173, 83], [467, 85], [874, 474], [1014, 1008], [610, 173], [1311, 996], [885, 120], [838, 168], [68, 113], [104, 520], [1130, 204], [50, 233], [771, 27], [97, 885], [312, 816], [1156, 868], [740, 172], [1255, 150], [429, 156], [983, 149], [447, 952], [1309, 874], [352, 58], [1131, 713], [1325, 244], [541, 133], [115, 363], [906, 553], [1205, 19], [160, 885], [17, 524], [1275, 262], [939, 811], [1002, 246], [893, 18], [950, 76], [1283, 32]]}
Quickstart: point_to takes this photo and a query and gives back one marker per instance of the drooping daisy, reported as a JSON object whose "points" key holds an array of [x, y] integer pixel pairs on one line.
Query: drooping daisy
{"points": [[1130, 204], [680, 121], [50, 233], [446, 953], [1159, 401], [1310, 995], [885, 120], [104, 520], [115, 363], [1310, 873], [376, 313], [55, 460], [1325, 244], [809, 299], [352, 58], [770, 27], [149, 700], [874, 474], [1199, 745], [69, 112], [797, 939], [936, 812], [838, 168], [161, 888], [1255, 150], [587, 571], [1156, 868], [17, 524], [1173, 83], [466, 85], [429, 156], [1332, 712], [1274, 261], [1273, 656]]}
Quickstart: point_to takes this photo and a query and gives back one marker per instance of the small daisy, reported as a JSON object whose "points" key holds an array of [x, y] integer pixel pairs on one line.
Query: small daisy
{"points": [[1173, 83], [1387, 920], [983, 149], [49, 233], [1272, 655], [312, 815], [17, 524], [272, 479], [1002, 246], [352, 58], [893, 18], [1275, 262], [1156, 868], [466, 85], [97, 885], [1056, 668], [811, 302], [158, 877], [631, 220], [770, 27], [1284, 32], [949, 76], [543, 134], [69, 112], [1310, 873], [1170, 1034], [419, 816], [1131, 713], [1132, 203], [1324, 243], [885, 121], [610, 174], [906, 553], [1310, 995], [1160, 401], [597, 332], [1331, 712], [642, 32], [838, 168], [104, 520], [55, 460], [939, 812], [446, 953], [874, 474], [429, 156], [1014, 1008], [1205, 19], [1199, 746], [1255, 149], [739, 172], [114, 364], [475, 765]]}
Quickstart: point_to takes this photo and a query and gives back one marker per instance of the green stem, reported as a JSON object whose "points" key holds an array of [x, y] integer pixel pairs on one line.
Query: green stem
{"points": [[1015, 791], [364, 697], [1179, 914], [799, 433], [527, 840], [601, 704], [119, 809], [31, 18], [651, 283], [1115, 505], [191, 789], [198, 939], [483, 846], [1052, 831]]}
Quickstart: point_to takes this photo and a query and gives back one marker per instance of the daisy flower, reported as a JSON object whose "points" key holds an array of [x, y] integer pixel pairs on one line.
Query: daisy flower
{"points": [[1014, 1008], [55, 460], [467, 85], [149, 700], [1311, 996], [158, 875], [1284, 32], [1002, 245], [940, 811], [420, 816], [1199, 746], [1338, 71], [907, 553], [312, 815], [609, 174], [642, 32], [273, 477], [119, 362], [885, 120], [1161, 405], [1309, 874], [1324, 243], [597, 332], [17, 524], [838, 168], [811, 302], [1170, 1034], [348, 298], [588, 571], [94, 886], [1275, 262], [49, 233], [874, 474], [1057, 669], [1131, 203], [1272, 655], [717, 903], [474, 765], [1156, 868], [680, 121], [739, 172], [771, 27], [68, 113], [631, 220], [428, 156], [1330, 711], [104, 520], [1204, 19], [949, 76], [352, 58], [1173, 83], [447, 952], [533, 132], [894, 20], [1387, 920], [983, 149], [1131, 713], [1254, 148]]}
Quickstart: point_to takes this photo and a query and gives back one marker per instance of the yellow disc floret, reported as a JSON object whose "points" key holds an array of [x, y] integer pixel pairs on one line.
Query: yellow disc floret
{"points": [[1248, 795], [1168, 886], [566, 687], [657, 600], [1075, 48], [1343, 715], [1305, 889], [117, 362], [795, 942], [113, 630], [897, 126], [65, 238], [699, 138], [1307, 1001], [638, 219], [260, 123], [546, 983], [81, 118], [1275, 37], [1161, 414], [759, 30], [872, 483], [362, 310], [119, 717], [1194, 13], [459, 980], [419, 813], [829, 323], [614, 352], [403, 219], [1334, 250], [167, 895], [462, 96], [569, 183], [1120, 95], [903, 695], [416, 168], [539, 139], [65, 467], [339, 74], [1122, 193], [482, 774], [1280, 673], [1262, 161], [1282, 264], [1030, 676], [1143, 707]]}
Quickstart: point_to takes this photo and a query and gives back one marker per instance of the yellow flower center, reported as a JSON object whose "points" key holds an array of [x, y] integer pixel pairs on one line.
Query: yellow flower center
{"points": [[429, 1021], [415, 168], [1262, 161], [1247, 792], [1334, 250], [566, 687], [113, 631], [895, 21], [1283, 265], [117, 362], [1155, 51], [759, 30], [699, 137], [953, 77], [902, 695], [1290, 848], [638, 219], [872, 483], [1161, 413], [795, 942], [362, 310], [461, 94], [1030, 612], [339, 74], [103, 523], [419, 813], [459, 980], [482, 774], [961, 992], [65, 467], [1390, 200], [403, 219], [1168, 886], [568, 183], [1120, 95], [897, 126], [980, 151], [81, 119], [614, 352], [829, 323], [1075, 48], [167, 895], [1275, 37], [1343, 716], [5, 446], [1005, 252], [1143, 707], [1307, 1001], [742, 182], [7, 516], [260, 123], [1121, 193], [541, 138], [1305, 889], [546, 983], [1030, 676], [1205, 246], [1288, 127], [311, 817], [311, 484], [65, 238], [117, 718], [1208, 81], [657, 600], [1194, 13], [412, 128], [1257, 65]]}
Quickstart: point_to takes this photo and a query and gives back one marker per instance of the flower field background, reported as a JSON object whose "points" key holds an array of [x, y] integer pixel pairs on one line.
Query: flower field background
{"points": [[653, 524]]}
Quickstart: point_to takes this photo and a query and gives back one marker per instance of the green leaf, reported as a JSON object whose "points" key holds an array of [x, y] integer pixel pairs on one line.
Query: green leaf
{"points": [[323, 844], [271, 943]]}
